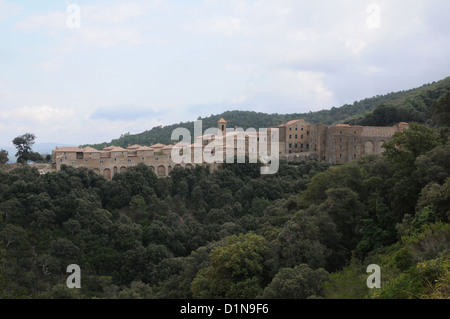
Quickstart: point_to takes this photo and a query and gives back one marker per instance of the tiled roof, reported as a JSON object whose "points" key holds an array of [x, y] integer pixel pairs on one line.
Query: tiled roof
{"points": [[144, 148], [90, 150], [133, 147], [116, 149], [69, 149], [292, 122]]}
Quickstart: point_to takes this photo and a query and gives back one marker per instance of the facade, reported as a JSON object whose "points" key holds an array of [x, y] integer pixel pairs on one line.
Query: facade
{"points": [[337, 144], [298, 141]]}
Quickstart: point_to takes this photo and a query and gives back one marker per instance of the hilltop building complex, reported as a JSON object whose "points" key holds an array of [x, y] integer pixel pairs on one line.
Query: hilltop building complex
{"points": [[298, 141]]}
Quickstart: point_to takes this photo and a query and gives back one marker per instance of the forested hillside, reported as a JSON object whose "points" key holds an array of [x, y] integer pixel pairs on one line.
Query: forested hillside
{"points": [[413, 105], [308, 231]]}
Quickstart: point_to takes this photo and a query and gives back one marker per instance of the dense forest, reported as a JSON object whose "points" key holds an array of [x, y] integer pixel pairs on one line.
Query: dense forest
{"points": [[308, 231], [409, 106]]}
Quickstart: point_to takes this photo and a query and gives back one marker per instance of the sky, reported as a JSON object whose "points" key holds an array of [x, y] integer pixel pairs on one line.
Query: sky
{"points": [[85, 71]]}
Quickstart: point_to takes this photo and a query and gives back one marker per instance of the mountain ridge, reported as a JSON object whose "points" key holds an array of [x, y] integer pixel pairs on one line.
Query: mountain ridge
{"points": [[414, 104]]}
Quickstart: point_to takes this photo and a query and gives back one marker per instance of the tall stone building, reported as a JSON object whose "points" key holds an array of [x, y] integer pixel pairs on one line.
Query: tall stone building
{"points": [[336, 144], [299, 140]]}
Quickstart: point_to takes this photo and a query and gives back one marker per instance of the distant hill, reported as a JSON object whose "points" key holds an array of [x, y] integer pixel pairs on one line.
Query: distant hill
{"points": [[411, 105]]}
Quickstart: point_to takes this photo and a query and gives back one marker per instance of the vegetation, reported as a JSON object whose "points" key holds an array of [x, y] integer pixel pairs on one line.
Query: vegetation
{"points": [[423, 105], [24, 143], [4, 157], [308, 231]]}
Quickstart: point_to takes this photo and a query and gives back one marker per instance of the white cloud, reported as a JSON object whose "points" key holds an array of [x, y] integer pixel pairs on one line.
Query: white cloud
{"points": [[104, 24], [7, 10], [53, 124], [272, 56], [43, 115], [51, 21]]}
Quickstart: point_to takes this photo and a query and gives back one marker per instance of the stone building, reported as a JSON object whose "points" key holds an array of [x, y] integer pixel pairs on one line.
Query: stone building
{"points": [[336, 144], [298, 141]]}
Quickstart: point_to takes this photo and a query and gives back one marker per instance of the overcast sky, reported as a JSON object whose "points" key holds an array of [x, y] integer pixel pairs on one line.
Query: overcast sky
{"points": [[87, 71]]}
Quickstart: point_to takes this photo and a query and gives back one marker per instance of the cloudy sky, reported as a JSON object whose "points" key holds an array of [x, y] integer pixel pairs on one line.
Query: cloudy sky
{"points": [[86, 71]]}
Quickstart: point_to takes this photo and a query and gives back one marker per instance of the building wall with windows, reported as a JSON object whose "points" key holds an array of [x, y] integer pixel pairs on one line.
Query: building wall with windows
{"points": [[299, 140]]}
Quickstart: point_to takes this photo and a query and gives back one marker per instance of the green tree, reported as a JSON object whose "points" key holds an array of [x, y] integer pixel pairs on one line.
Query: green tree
{"points": [[236, 269], [441, 110], [403, 150], [350, 283], [300, 282], [407, 145], [3, 157], [24, 144]]}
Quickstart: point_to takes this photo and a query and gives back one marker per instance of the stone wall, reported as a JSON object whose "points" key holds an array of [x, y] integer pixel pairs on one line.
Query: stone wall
{"points": [[298, 141]]}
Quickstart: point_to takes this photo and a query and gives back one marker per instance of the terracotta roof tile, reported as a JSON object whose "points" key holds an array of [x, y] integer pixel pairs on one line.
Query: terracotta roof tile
{"points": [[68, 149]]}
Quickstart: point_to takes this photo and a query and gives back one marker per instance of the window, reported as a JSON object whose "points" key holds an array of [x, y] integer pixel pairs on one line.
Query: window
{"points": [[296, 145], [290, 129], [101, 161], [354, 155], [290, 136], [307, 132], [340, 139], [307, 146], [340, 147], [340, 155], [301, 136], [302, 128], [296, 128], [296, 136], [290, 145], [301, 145], [129, 160], [355, 139]]}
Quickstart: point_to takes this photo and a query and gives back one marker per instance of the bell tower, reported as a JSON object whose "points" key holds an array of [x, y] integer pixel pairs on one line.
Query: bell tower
{"points": [[222, 126]]}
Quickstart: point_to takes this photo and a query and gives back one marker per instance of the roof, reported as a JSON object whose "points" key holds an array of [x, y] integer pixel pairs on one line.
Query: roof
{"points": [[167, 147], [222, 120], [145, 148], [116, 149], [182, 144], [159, 145], [292, 122], [133, 147], [90, 150], [69, 149]]}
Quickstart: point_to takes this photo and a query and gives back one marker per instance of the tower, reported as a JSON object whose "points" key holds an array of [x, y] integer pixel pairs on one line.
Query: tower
{"points": [[222, 126]]}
